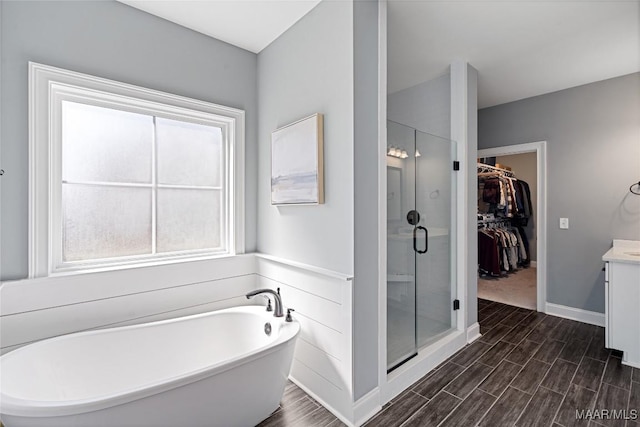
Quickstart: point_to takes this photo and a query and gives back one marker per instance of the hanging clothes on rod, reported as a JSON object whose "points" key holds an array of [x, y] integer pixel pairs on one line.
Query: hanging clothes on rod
{"points": [[501, 248], [502, 193], [504, 207]]}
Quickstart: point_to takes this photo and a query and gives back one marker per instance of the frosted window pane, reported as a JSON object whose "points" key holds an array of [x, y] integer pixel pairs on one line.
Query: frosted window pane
{"points": [[188, 153], [101, 144], [188, 219], [105, 222]]}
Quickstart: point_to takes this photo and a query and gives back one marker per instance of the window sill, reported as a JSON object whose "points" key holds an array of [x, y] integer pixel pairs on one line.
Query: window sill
{"points": [[80, 270]]}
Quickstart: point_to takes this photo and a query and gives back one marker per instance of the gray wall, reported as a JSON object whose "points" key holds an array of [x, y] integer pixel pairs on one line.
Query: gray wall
{"points": [[593, 143], [309, 69], [109, 39], [1, 162], [426, 106], [366, 158], [306, 70]]}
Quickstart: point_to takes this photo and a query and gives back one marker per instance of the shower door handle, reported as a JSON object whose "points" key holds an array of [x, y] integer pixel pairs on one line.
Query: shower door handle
{"points": [[415, 240]]}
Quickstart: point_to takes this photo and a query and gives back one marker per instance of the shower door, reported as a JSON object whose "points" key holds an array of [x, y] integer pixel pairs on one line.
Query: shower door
{"points": [[420, 236]]}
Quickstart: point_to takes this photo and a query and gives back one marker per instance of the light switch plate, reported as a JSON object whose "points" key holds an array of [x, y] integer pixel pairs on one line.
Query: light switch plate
{"points": [[564, 223]]}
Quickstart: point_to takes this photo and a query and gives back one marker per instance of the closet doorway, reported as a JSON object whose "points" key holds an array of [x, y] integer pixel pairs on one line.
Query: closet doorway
{"points": [[521, 286]]}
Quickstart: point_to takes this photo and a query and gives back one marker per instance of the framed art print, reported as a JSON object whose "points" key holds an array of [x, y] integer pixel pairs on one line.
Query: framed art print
{"points": [[297, 163]]}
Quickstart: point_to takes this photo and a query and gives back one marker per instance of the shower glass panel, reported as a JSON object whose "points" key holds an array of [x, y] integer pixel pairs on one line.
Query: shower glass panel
{"points": [[435, 201], [401, 262], [420, 232]]}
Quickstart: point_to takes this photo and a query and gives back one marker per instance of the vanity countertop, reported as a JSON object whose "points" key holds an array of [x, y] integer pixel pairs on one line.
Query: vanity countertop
{"points": [[627, 251]]}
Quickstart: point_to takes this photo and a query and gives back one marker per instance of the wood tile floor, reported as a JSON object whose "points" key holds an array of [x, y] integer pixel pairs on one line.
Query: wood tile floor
{"points": [[297, 409], [527, 369]]}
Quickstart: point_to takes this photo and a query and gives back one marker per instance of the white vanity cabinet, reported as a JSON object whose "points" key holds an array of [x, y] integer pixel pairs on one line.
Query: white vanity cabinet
{"points": [[622, 300]]}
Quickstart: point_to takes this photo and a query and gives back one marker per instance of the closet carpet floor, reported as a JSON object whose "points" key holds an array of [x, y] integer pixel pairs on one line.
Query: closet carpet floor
{"points": [[527, 369], [517, 288]]}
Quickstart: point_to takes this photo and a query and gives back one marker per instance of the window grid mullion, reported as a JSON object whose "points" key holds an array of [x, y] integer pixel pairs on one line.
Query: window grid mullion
{"points": [[108, 184], [225, 177], [190, 187], [154, 189]]}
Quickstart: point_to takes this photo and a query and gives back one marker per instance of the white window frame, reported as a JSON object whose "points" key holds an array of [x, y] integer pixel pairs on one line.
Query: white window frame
{"points": [[48, 87]]}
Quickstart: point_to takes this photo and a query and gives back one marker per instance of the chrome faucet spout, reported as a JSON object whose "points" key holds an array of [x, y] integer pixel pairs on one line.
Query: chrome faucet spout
{"points": [[277, 312]]}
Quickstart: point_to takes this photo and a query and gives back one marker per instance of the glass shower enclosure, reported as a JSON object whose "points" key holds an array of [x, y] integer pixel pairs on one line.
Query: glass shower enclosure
{"points": [[420, 241]]}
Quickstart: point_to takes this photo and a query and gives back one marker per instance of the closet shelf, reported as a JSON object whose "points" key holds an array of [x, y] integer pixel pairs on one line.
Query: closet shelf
{"points": [[485, 170]]}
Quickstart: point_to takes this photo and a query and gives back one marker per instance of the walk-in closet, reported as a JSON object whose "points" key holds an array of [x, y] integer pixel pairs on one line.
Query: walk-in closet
{"points": [[507, 229]]}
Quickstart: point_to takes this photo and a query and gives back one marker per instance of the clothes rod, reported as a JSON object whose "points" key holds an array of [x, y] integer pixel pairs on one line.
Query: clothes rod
{"points": [[486, 169]]}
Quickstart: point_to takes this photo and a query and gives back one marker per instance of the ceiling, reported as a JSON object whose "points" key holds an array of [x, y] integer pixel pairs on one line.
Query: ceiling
{"points": [[249, 24], [521, 48]]}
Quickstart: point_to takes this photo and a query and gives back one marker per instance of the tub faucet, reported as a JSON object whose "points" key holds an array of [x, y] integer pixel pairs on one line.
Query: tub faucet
{"points": [[276, 298]]}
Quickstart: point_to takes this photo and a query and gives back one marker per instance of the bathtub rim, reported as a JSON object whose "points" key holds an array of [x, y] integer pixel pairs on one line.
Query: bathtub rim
{"points": [[13, 406]]}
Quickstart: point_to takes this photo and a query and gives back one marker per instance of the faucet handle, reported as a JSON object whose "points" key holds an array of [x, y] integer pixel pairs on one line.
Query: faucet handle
{"points": [[289, 318], [269, 308]]}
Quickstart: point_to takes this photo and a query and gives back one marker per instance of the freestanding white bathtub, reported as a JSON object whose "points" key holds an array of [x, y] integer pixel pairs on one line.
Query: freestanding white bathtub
{"points": [[212, 369]]}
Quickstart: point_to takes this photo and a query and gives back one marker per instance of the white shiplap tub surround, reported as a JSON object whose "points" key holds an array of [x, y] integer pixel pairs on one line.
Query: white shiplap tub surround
{"points": [[322, 299], [35, 309]]}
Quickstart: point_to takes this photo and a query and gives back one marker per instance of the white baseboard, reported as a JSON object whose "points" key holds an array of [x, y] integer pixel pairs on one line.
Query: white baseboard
{"points": [[533, 264], [427, 359], [352, 416], [585, 316], [367, 406], [473, 332], [632, 364]]}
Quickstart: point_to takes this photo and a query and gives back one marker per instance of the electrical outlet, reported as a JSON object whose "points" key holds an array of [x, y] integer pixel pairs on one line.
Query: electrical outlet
{"points": [[564, 223]]}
